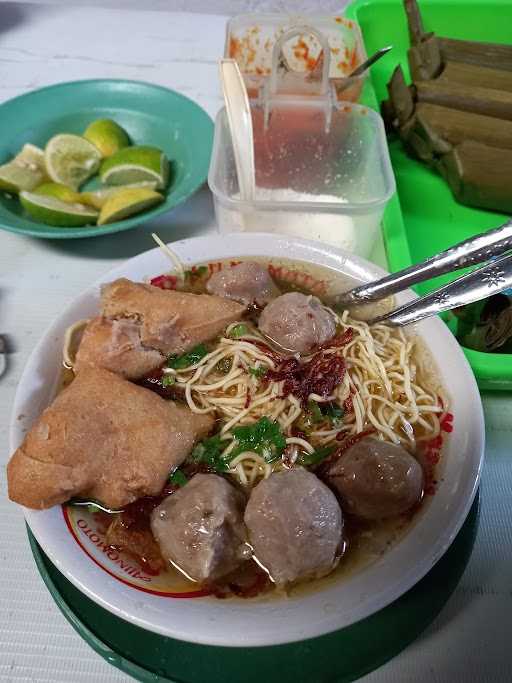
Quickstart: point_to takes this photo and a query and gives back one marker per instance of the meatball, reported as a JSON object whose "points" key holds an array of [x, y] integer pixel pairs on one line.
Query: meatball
{"points": [[376, 479], [297, 322], [295, 526], [247, 282], [200, 528]]}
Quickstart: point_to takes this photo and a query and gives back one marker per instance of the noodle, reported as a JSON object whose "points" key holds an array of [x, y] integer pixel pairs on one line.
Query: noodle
{"points": [[382, 383]]}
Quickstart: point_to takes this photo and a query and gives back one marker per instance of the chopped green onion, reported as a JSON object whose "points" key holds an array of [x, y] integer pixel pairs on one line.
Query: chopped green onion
{"points": [[209, 452], [187, 359], [315, 412], [238, 331], [309, 459], [334, 412], [177, 478], [168, 381], [263, 437], [258, 372]]}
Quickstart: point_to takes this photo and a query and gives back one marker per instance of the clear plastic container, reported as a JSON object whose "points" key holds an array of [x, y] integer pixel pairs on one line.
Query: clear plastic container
{"points": [[250, 39], [321, 173]]}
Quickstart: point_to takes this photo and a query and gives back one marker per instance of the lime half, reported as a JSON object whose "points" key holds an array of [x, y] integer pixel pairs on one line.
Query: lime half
{"points": [[97, 198], [107, 136], [59, 191], [70, 159], [127, 203], [135, 165], [53, 211]]}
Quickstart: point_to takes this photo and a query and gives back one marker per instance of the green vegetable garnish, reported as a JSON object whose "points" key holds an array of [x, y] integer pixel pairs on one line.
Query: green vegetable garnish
{"points": [[177, 478], [224, 365], [168, 381], [238, 331], [308, 459], [315, 412], [187, 359], [263, 437], [257, 372], [209, 452], [334, 412]]}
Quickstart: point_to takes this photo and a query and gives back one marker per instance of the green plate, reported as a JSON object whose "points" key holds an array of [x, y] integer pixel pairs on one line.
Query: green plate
{"points": [[432, 219], [342, 656], [151, 115]]}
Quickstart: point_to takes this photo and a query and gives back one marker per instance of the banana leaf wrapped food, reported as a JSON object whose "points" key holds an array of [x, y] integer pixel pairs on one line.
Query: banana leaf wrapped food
{"points": [[456, 116]]}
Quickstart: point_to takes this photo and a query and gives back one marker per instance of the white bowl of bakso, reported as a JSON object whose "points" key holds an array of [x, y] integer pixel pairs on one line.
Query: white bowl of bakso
{"points": [[209, 450]]}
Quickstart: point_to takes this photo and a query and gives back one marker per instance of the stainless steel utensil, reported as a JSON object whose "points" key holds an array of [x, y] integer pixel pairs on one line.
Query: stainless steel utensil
{"points": [[479, 284], [370, 61], [483, 282], [359, 70]]}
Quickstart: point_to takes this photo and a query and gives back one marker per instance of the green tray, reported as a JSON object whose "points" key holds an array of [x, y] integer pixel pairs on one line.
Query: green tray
{"points": [[430, 220], [342, 656]]}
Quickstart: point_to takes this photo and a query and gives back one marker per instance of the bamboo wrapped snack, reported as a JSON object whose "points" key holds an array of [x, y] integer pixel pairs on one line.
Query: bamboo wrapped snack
{"points": [[456, 117]]}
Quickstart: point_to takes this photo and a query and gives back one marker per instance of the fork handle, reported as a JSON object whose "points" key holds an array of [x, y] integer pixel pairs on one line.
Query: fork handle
{"points": [[481, 283], [470, 252]]}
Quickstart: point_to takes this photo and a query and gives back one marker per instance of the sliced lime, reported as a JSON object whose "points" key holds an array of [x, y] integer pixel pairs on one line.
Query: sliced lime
{"points": [[107, 136], [31, 156], [135, 165], [97, 198], [127, 203], [59, 191], [25, 172], [53, 211], [70, 159], [15, 178]]}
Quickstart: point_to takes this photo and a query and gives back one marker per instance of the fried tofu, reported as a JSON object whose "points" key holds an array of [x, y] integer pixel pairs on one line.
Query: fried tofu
{"points": [[102, 438], [140, 325]]}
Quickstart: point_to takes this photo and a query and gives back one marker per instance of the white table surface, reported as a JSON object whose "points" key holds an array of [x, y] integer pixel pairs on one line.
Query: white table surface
{"points": [[39, 45]]}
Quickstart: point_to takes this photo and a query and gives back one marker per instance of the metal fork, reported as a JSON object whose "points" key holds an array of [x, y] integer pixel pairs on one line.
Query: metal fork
{"points": [[481, 283]]}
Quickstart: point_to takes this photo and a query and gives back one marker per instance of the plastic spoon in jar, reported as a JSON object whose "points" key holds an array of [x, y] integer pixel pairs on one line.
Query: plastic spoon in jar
{"points": [[359, 70], [240, 124]]}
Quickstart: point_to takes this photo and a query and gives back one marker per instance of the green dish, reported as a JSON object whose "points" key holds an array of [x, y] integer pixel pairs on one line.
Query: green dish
{"points": [[151, 115], [342, 656], [431, 219]]}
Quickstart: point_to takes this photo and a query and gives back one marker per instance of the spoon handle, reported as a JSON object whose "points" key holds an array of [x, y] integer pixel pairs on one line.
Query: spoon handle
{"points": [[481, 283], [470, 252]]}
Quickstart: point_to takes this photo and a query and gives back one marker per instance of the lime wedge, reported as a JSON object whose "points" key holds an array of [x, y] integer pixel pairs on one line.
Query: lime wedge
{"points": [[53, 211], [24, 172], [15, 178], [59, 191], [70, 159], [107, 136], [97, 198], [127, 203], [135, 165], [31, 156]]}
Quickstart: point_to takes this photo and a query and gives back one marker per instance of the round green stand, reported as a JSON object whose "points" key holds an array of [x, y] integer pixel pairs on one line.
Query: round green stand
{"points": [[341, 656]]}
